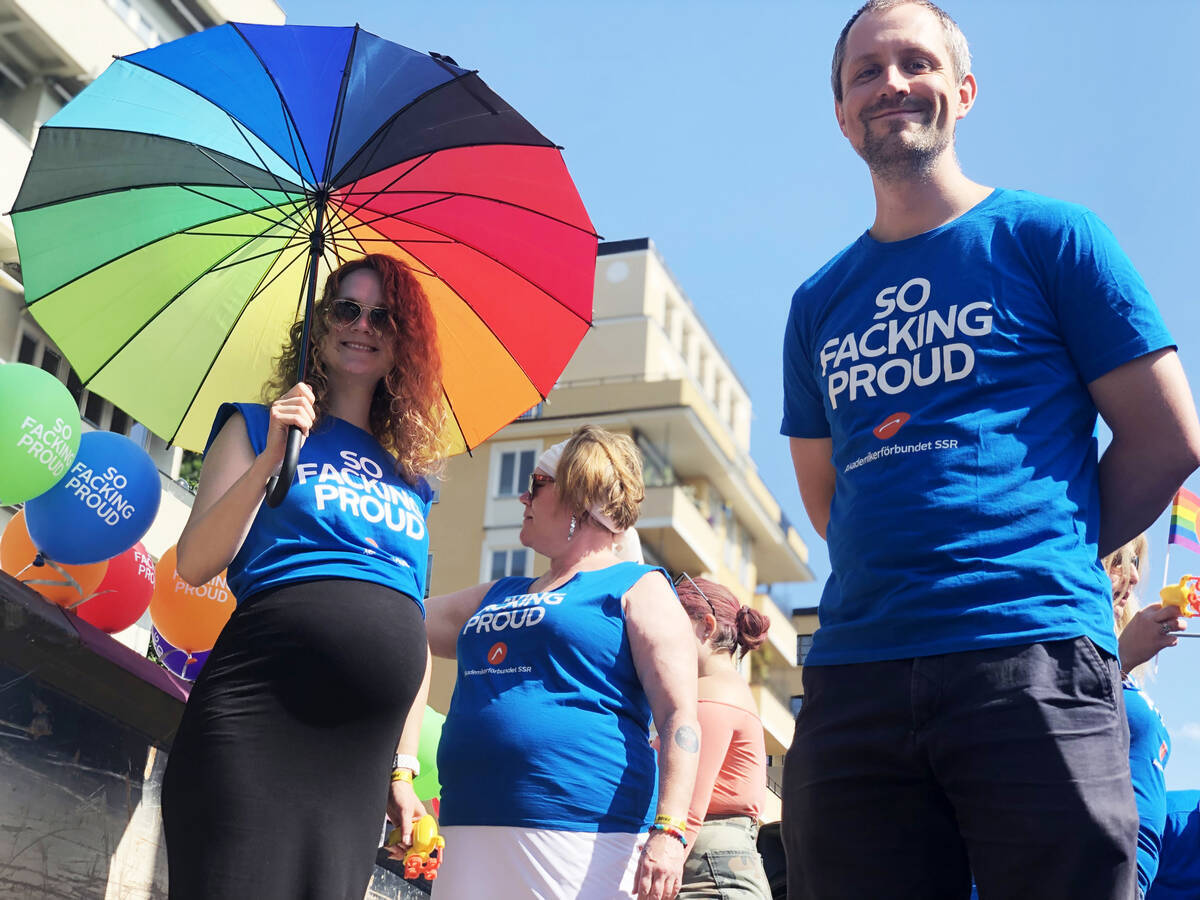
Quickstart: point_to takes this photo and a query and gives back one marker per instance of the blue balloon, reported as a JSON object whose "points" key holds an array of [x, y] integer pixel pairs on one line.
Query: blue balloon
{"points": [[178, 662], [101, 507]]}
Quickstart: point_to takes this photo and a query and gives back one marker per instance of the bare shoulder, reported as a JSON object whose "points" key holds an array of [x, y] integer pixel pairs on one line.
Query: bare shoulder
{"points": [[728, 688]]}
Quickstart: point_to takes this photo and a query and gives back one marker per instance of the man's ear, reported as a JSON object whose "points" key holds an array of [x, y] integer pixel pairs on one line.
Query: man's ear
{"points": [[967, 92]]}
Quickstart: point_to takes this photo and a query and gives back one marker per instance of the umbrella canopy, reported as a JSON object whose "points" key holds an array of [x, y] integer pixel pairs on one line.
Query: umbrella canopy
{"points": [[175, 212]]}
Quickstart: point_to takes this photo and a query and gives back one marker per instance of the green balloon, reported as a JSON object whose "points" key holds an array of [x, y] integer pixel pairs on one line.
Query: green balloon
{"points": [[427, 784], [39, 432]]}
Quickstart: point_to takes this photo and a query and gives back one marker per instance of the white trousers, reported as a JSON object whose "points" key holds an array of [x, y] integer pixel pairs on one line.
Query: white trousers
{"points": [[499, 863]]}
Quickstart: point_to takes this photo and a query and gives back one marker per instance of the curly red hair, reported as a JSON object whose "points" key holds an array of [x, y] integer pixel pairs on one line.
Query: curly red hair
{"points": [[407, 414]]}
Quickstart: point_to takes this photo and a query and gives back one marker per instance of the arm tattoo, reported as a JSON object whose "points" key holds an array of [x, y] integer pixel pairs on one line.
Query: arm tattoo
{"points": [[687, 739]]}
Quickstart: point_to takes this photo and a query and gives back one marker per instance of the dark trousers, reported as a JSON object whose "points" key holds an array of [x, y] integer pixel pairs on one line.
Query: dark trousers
{"points": [[906, 777]]}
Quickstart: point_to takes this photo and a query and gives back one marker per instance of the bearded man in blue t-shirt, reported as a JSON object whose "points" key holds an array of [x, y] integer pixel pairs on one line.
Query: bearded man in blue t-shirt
{"points": [[942, 377]]}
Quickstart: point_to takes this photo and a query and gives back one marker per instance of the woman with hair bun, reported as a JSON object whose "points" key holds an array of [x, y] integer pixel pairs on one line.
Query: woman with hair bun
{"points": [[731, 778]]}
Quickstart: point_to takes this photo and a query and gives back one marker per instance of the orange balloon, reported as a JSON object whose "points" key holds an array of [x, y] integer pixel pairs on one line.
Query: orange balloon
{"points": [[189, 617], [64, 585]]}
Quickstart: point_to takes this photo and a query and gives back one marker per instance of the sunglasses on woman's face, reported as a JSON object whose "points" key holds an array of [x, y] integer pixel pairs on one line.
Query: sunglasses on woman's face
{"points": [[346, 312], [536, 480]]}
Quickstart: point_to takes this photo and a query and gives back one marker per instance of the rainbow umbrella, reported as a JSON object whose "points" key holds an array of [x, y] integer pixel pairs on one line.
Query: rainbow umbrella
{"points": [[178, 215]]}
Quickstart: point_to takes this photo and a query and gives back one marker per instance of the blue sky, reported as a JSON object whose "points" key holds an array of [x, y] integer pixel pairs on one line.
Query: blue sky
{"points": [[709, 127]]}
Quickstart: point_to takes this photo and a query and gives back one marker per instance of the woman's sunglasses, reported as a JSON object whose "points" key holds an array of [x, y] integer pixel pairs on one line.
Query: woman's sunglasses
{"points": [[696, 587], [345, 312], [536, 480]]}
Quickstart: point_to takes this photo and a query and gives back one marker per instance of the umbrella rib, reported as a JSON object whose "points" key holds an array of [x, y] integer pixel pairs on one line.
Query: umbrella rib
{"points": [[338, 108], [486, 255], [243, 131], [390, 120], [457, 421], [254, 294], [295, 188], [237, 178], [349, 234], [484, 322], [159, 312], [402, 175], [282, 102], [380, 217], [484, 197], [254, 212], [221, 268], [144, 246], [126, 59]]}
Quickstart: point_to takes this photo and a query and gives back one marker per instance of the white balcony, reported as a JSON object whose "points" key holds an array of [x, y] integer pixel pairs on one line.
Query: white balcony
{"points": [[14, 160]]}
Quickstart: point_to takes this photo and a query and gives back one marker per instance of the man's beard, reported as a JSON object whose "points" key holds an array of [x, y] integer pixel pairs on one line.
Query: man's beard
{"points": [[902, 156]]}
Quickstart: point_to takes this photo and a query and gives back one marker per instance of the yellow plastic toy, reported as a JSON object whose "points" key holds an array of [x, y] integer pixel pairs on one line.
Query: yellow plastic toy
{"points": [[427, 851], [1185, 595]]}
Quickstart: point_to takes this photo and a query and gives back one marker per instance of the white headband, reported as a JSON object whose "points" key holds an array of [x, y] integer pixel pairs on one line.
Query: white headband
{"points": [[548, 463]]}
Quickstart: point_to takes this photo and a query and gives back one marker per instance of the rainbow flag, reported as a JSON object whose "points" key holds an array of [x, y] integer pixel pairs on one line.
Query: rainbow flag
{"points": [[1183, 520]]}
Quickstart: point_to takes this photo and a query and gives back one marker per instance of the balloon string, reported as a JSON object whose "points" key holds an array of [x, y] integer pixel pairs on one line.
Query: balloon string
{"points": [[91, 597], [68, 580]]}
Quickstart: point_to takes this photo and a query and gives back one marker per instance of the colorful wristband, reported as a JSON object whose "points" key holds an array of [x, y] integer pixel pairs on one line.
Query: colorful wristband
{"points": [[402, 775], [672, 831]]}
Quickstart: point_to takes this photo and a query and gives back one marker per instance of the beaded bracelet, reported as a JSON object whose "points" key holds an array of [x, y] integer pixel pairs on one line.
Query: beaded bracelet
{"points": [[672, 831]]}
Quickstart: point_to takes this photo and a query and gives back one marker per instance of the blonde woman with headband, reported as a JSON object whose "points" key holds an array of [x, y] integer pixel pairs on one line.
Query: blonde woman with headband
{"points": [[1142, 633], [550, 788]]}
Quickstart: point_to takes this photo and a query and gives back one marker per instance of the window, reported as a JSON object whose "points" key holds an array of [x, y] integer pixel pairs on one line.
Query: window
{"points": [[35, 350], [515, 468], [795, 704], [510, 562], [803, 646]]}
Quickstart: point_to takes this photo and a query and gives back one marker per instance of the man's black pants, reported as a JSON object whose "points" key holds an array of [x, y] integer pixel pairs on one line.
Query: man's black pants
{"points": [[907, 777]]}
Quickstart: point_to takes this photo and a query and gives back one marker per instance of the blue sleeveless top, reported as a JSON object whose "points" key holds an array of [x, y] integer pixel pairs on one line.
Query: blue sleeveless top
{"points": [[347, 515], [549, 724]]}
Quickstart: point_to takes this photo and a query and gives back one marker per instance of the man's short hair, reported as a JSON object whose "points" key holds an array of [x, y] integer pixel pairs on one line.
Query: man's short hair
{"points": [[956, 41]]}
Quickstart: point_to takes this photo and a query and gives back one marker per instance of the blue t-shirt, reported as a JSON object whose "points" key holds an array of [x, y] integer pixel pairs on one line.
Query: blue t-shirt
{"points": [[1179, 864], [347, 515], [1149, 749], [549, 724], [951, 370]]}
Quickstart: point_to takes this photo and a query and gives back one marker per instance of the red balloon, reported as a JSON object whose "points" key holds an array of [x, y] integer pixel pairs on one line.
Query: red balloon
{"points": [[124, 593]]}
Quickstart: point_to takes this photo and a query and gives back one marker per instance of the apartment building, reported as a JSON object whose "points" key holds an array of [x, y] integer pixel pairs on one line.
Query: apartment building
{"points": [[49, 51], [648, 368]]}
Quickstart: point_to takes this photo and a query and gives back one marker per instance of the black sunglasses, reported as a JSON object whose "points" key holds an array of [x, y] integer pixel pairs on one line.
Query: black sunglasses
{"points": [[536, 480], [345, 312], [679, 581]]}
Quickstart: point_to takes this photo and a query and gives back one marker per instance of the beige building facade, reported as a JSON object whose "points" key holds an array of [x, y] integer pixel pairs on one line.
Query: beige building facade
{"points": [[648, 368], [49, 51]]}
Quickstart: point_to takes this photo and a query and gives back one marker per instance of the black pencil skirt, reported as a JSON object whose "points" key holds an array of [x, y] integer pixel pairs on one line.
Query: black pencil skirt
{"points": [[277, 781]]}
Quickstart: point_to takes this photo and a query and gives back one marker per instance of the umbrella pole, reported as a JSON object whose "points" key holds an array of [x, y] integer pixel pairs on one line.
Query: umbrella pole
{"points": [[278, 486]]}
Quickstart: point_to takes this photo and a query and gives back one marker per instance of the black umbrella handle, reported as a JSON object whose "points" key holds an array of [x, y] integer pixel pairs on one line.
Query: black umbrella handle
{"points": [[278, 486]]}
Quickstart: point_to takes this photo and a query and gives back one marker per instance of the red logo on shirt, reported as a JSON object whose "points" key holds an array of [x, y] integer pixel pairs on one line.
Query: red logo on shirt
{"points": [[889, 426], [1162, 752], [497, 653]]}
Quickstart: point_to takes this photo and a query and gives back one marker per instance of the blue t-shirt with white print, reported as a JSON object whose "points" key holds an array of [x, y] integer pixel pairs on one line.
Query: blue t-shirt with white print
{"points": [[1149, 750], [951, 370], [549, 723], [348, 514], [1178, 875]]}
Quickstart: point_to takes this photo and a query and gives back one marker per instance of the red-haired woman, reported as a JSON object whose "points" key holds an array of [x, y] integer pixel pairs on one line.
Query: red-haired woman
{"points": [[279, 774], [731, 779]]}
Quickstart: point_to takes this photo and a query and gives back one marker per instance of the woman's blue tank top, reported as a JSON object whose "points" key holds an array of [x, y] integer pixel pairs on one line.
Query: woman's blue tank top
{"points": [[348, 514], [549, 723]]}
